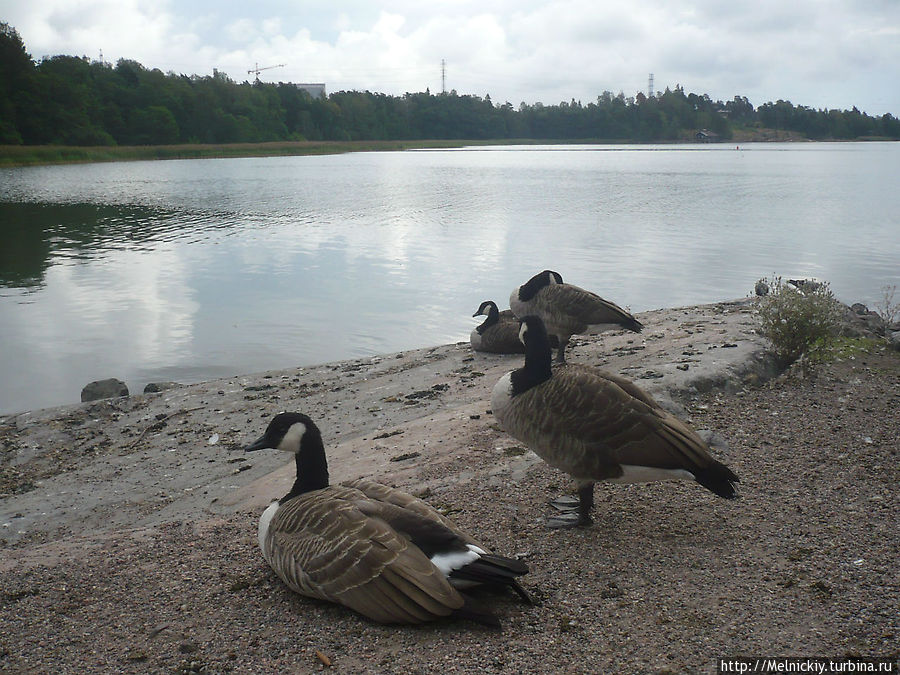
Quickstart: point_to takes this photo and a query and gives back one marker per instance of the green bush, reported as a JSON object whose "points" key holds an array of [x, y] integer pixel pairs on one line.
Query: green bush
{"points": [[888, 309], [799, 322]]}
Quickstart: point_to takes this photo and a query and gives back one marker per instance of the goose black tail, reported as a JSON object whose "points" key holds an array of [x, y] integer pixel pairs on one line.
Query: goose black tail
{"points": [[719, 479], [495, 570], [632, 324]]}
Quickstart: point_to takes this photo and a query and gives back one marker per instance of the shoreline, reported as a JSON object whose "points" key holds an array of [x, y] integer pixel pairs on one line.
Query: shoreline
{"points": [[193, 433], [134, 547], [15, 156]]}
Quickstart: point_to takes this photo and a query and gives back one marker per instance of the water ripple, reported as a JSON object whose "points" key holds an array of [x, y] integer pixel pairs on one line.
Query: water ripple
{"points": [[194, 269]]}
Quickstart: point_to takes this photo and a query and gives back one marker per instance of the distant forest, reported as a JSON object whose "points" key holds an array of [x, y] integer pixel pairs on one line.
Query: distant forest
{"points": [[67, 100]]}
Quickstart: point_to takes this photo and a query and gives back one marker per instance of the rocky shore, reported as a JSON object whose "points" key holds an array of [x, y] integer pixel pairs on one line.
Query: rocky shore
{"points": [[127, 526]]}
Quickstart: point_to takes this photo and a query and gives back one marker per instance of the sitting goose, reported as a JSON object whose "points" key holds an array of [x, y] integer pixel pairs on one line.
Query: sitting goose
{"points": [[499, 333], [369, 547], [597, 426], [567, 309]]}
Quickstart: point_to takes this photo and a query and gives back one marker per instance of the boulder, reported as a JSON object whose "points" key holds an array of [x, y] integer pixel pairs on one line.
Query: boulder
{"points": [[893, 338], [156, 387], [860, 321], [109, 388]]}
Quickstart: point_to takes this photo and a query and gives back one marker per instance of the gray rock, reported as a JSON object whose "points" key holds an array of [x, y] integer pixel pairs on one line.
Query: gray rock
{"points": [[761, 288], [713, 439], [156, 387], [860, 321], [893, 338], [109, 388]]}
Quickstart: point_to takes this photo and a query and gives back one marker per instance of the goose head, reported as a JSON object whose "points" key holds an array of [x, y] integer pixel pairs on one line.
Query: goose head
{"points": [[298, 434], [487, 308]]}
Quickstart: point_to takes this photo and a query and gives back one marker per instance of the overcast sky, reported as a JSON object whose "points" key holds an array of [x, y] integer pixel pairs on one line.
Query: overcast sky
{"points": [[819, 53]]}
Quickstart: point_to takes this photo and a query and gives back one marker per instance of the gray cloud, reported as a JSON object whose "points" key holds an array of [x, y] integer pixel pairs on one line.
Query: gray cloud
{"points": [[825, 55]]}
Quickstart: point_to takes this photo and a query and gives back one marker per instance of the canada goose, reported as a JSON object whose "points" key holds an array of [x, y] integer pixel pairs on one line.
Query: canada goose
{"points": [[369, 547], [806, 285], [567, 309], [597, 426], [499, 333]]}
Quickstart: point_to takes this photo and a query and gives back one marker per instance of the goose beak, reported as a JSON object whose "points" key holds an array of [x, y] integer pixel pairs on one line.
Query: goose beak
{"points": [[476, 314], [259, 444]]}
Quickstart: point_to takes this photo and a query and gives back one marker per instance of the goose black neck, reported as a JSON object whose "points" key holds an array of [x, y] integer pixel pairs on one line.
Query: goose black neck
{"points": [[492, 318], [312, 467], [538, 360], [530, 288]]}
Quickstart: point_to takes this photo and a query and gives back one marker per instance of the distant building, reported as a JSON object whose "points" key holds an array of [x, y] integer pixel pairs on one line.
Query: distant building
{"points": [[706, 136], [314, 89]]}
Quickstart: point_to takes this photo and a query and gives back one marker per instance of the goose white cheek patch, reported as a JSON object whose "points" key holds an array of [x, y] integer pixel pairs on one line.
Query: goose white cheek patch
{"points": [[292, 438]]}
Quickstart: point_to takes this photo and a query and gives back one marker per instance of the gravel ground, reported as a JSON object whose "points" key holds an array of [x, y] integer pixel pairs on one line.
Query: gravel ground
{"points": [[667, 579]]}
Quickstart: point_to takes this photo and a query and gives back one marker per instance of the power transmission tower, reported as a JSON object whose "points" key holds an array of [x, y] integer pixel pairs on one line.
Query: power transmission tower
{"points": [[650, 87], [443, 76]]}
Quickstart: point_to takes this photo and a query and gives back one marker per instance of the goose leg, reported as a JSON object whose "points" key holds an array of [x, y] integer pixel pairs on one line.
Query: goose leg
{"points": [[561, 352], [573, 512]]}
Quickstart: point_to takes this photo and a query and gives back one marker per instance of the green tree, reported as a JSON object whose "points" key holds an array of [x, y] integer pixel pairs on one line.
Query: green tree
{"points": [[153, 125], [71, 100], [16, 83]]}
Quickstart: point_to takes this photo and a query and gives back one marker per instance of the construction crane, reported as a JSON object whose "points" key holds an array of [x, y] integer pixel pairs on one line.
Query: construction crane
{"points": [[257, 69]]}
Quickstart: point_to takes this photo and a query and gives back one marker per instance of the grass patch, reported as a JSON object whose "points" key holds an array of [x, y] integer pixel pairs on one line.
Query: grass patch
{"points": [[886, 307], [845, 347], [32, 155]]}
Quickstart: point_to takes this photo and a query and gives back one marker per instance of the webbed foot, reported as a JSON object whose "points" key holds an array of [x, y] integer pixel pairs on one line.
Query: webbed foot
{"points": [[566, 521], [565, 503]]}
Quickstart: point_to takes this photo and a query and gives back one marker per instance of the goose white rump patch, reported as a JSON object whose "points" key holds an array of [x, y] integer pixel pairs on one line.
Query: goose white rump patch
{"points": [[447, 562], [645, 474], [601, 327]]}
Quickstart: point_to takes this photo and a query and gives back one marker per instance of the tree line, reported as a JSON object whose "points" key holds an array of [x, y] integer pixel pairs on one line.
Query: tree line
{"points": [[68, 100]]}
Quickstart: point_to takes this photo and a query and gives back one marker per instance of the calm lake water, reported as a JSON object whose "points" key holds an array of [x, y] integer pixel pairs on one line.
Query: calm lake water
{"points": [[188, 270]]}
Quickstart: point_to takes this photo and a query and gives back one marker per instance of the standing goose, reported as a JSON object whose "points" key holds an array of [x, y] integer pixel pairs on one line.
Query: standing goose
{"points": [[567, 310], [369, 547], [597, 426], [499, 333]]}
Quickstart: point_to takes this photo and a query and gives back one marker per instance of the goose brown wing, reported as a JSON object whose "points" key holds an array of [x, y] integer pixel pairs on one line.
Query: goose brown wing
{"points": [[587, 307], [434, 534], [670, 428], [597, 424], [629, 388], [322, 545], [506, 336], [404, 500]]}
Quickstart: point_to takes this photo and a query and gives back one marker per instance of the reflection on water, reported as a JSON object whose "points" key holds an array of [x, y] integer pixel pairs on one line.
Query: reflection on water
{"points": [[185, 270], [34, 233]]}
